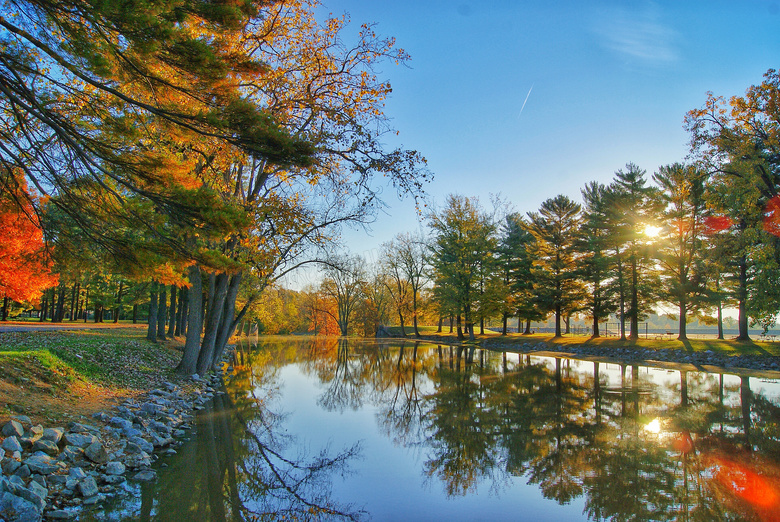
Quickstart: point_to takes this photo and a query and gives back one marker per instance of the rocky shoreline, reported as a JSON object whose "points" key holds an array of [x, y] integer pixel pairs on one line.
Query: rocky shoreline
{"points": [[55, 473]]}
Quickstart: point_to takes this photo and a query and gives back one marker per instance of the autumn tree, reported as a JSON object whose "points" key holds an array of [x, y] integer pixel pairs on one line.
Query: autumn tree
{"points": [[342, 284], [314, 86], [25, 264], [738, 143]]}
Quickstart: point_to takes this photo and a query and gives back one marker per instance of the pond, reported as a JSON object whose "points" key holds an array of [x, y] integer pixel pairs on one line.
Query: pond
{"points": [[335, 429]]}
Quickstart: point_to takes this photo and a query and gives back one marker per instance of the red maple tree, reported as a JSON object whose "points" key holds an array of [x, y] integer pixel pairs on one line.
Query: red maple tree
{"points": [[25, 267]]}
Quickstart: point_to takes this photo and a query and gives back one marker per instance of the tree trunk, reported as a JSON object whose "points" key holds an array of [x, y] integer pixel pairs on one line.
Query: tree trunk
{"points": [[135, 313], [557, 321], [595, 328], [634, 301], [189, 359], [441, 322], [460, 330], [213, 317], [86, 303], [401, 319], [162, 313], [527, 327], [73, 301], [683, 323], [229, 321], [184, 300], [504, 323], [151, 331], [53, 303], [172, 313], [118, 306], [5, 308], [742, 297], [44, 307]]}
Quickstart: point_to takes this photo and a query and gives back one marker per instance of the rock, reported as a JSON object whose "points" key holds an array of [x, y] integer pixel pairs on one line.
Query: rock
{"points": [[88, 487], [150, 408], [23, 471], [41, 463], [139, 460], [96, 453], [40, 479], [61, 514], [145, 476], [53, 434], [71, 453], [10, 466], [80, 440], [48, 447], [19, 508], [94, 499], [77, 473], [143, 444], [39, 491], [195, 377], [119, 422], [114, 479], [13, 428], [115, 468], [24, 419], [12, 443], [57, 480]]}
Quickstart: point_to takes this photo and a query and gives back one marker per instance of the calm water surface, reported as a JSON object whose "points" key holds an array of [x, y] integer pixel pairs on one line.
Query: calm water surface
{"points": [[331, 429]]}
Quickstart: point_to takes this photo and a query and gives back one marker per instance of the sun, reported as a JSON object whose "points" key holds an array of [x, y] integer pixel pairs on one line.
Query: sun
{"points": [[652, 231]]}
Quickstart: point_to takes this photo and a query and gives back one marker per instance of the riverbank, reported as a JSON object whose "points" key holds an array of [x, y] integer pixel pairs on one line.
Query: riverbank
{"points": [[83, 412], [758, 358]]}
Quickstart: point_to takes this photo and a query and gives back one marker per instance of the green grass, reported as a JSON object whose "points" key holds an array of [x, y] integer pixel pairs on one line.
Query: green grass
{"points": [[116, 357]]}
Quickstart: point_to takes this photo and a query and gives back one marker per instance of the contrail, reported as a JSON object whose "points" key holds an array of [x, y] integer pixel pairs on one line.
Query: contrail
{"points": [[526, 100]]}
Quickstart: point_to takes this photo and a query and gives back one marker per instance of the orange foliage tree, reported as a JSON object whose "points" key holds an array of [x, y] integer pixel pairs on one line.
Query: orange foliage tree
{"points": [[25, 267]]}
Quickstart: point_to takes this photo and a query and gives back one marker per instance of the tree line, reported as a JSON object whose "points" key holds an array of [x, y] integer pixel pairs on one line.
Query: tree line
{"points": [[698, 236]]}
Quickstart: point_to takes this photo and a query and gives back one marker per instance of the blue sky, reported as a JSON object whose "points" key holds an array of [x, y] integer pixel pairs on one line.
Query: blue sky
{"points": [[610, 83]]}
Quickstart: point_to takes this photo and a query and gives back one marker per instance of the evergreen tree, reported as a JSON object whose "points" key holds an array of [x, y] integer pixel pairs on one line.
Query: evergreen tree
{"points": [[636, 207], [463, 236], [680, 252], [596, 263], [515, 258], [555, 228]]}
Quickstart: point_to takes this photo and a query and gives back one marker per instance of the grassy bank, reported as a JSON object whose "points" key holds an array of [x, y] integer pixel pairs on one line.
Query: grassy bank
{"points": [[56, 376], [724, 347]]}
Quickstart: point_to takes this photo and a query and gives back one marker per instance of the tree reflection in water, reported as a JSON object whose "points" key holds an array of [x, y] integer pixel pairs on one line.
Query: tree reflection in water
{"points": [[479, 417], [630, 442], [240, 465]]}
